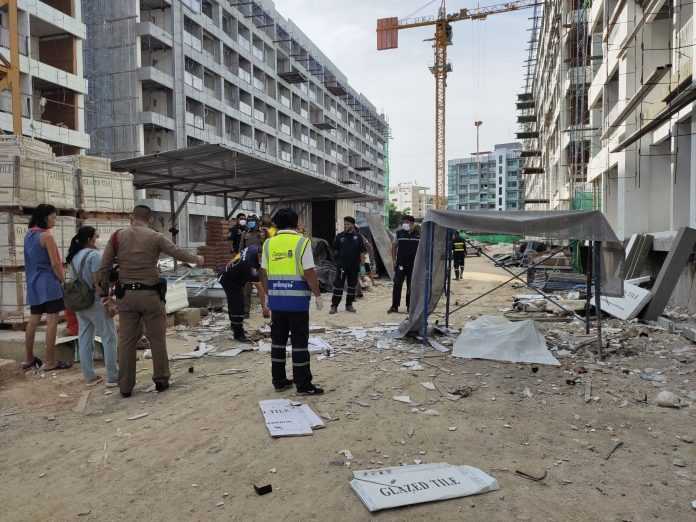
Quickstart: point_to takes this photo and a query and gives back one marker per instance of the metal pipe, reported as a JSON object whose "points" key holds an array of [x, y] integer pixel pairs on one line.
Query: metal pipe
{"points": [[448, 278], [598, 294], [588, 299], [428, 279]]}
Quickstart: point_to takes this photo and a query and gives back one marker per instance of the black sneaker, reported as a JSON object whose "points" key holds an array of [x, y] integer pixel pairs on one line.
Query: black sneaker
{"points": [[393, 310], [242, 338], [310, 390], [350, 309], [161, 386], [283, 385], [333, 310], [125, 395]]}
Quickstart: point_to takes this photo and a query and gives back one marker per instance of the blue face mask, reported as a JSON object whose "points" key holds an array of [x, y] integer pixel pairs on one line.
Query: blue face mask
{"points": [[251, 225]]}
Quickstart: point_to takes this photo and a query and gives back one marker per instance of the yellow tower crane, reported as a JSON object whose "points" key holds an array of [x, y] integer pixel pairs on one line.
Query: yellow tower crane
{"points": [[388, 38]]}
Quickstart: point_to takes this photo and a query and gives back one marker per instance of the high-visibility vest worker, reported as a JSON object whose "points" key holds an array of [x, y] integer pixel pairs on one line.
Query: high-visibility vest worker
{"points": [[287, 289], [459, 246]]}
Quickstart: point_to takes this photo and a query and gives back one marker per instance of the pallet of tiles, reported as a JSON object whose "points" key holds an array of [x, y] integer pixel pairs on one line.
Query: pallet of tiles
{"points": [[29, 182], [99, 189], [13, 230], [12, 146], [105, 228], [13, 291]]}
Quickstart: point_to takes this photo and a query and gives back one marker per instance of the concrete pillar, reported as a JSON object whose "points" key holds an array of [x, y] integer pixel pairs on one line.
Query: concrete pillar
{"points": [[692, 180], [681, 175]]}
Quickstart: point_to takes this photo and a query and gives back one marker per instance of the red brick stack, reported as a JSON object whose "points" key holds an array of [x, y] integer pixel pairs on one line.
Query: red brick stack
{"points": [[217, 247]]}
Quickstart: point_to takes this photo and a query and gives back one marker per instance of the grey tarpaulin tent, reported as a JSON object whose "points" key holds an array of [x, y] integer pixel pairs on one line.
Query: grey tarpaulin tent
{"points": [[427, 284]]}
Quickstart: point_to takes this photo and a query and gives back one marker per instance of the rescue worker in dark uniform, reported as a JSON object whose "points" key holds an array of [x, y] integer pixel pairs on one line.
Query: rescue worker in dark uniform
{"points": [[237, 231], [458, 254], [349, 247], [237, 274], [141, 294], [253, 236], [404, 252], [288, 273]]}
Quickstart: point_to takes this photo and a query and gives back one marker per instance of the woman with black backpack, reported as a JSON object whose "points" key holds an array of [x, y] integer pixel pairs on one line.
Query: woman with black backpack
{"points": [[84, 260]]}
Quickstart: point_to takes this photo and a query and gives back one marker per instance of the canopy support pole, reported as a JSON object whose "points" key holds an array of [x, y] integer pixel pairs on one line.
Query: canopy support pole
{"points": [[428, 279], [448, 277], [237, 205], [225, 205], [598, 294], [589, 260]]}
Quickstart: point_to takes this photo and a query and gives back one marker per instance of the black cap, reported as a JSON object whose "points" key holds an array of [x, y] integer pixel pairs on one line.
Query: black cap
{"points": [[349, 219]]}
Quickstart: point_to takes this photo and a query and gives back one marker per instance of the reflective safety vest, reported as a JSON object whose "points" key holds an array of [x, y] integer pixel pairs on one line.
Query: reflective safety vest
{"points": [[459, 246], [287, 289]]}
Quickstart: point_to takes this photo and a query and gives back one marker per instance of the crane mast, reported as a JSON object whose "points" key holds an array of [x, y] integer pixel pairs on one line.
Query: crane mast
{"points": [[388, 38]]}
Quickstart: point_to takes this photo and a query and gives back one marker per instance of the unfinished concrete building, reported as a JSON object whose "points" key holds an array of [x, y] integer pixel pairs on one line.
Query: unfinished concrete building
{"points": [[167, 74], [640, 107], [51, 35], [553, 109]]}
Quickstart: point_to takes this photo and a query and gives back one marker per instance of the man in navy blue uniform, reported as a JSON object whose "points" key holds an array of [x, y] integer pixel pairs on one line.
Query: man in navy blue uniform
{"points": [[349, 247]]}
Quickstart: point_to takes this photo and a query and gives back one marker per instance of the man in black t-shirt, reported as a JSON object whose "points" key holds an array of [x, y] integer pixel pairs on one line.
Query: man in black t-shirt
{"points": [[405, 248], [349, 247], [233, 280], [237, 231]]}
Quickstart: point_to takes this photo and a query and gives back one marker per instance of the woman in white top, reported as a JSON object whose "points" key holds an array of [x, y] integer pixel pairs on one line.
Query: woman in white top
{"points": [[84, 260]]}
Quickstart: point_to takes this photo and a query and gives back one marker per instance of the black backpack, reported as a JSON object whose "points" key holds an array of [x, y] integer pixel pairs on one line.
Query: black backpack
{"points": [[77, 294]]}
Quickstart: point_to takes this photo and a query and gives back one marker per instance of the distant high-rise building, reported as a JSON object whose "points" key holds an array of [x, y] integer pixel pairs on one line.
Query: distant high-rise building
{"points": [[488, 180], [412, 198]]}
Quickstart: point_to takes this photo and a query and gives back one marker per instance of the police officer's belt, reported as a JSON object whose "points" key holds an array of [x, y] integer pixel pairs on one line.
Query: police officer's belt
{"points": [[140, 286]]}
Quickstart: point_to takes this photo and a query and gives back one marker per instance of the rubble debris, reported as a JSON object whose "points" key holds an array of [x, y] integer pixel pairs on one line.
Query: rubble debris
{"points": [[428, 386], [616, 446], [403, 398], [667, 399], [387, 488], [463, 391], [82, 403], [671, 270], [452, 428], [533, 477], [263, 490], [285, 419], [138, 416], [630, 305], [413, 365], [497, 339]]}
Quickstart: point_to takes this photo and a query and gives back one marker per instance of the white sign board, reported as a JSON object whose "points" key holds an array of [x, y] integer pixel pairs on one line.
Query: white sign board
{"points": [[630, 305], [387, 488], [283, 419]]}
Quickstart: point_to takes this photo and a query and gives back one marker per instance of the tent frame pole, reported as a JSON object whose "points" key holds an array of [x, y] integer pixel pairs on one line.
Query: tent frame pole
{"points": [[428, 279], [448, 277], [598, 294], [589, 260]]}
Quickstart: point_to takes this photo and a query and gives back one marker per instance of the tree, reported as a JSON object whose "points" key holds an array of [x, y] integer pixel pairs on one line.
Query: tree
{"points": [[396, 216]]}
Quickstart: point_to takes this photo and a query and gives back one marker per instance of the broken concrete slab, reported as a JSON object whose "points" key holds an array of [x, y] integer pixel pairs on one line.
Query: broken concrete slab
{"points": [[188, 317], [630, 305], [671, 270]]}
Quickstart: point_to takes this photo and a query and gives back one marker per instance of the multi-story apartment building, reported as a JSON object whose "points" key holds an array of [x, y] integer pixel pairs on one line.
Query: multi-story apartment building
{"points": [[53, 87], [487, 180], [168, 74], [554, 114], [641, 99], [412, 198]]}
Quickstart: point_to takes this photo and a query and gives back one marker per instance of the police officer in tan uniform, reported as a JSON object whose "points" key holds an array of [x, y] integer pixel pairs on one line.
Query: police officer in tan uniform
{"points": [[140, 293]]}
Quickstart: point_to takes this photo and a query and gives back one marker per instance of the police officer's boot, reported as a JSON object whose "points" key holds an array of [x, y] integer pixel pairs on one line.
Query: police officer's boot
{"points": [[240, 335]]}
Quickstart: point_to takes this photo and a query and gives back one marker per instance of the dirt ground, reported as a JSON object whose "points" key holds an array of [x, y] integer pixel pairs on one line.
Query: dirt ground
{"points": [[203, 444]]}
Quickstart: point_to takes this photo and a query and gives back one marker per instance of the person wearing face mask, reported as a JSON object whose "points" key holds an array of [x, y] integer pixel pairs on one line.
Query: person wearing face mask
{"points": [[253, 236], [404, 252], [237, 231], [349, 247]]}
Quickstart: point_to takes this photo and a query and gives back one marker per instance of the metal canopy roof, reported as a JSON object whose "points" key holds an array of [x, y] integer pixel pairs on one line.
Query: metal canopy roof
{"points": [[219, 169]]}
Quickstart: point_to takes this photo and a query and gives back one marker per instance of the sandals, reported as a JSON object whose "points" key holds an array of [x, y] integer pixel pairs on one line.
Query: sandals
{"points": [[60, 365], [35, 363], [96, 381]]}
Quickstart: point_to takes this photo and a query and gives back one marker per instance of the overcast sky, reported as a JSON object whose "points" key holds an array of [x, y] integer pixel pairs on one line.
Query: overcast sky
{"points": [[486, 57]]}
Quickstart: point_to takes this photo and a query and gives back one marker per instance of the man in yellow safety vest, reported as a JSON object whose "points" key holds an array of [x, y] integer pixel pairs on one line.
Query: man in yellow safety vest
{"points": [[288, 274]]}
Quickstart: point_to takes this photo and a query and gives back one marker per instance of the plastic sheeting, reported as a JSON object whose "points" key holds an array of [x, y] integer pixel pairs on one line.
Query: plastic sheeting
{"points": [[562, 225], [497, 339]]}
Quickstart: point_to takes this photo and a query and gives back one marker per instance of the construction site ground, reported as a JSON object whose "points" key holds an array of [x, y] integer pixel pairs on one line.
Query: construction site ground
{"points": [[203, 444]]}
